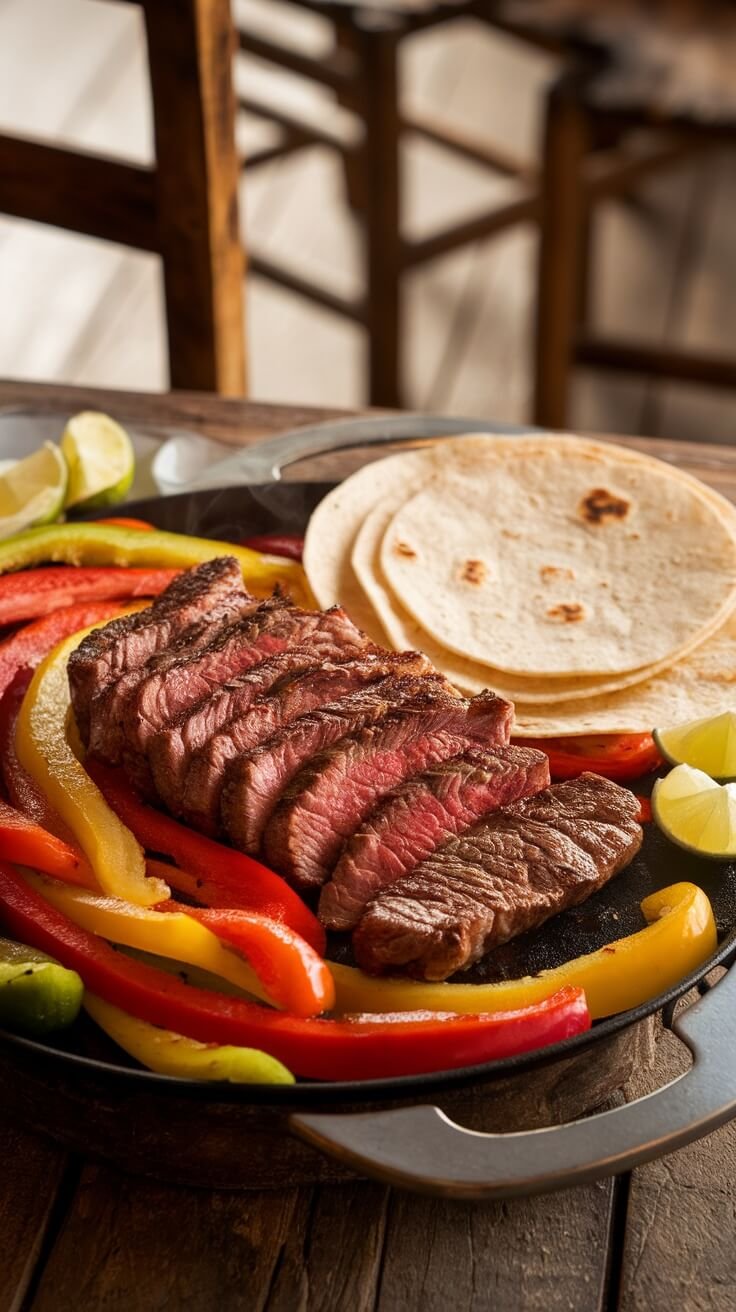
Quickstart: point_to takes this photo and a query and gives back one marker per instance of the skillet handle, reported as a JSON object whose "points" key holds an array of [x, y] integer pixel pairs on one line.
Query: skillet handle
{"points": [[421, 1149], [264, 461]]}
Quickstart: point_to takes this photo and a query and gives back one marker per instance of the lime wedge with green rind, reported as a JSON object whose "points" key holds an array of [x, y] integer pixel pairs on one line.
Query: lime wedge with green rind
{"points": [[697, 813], [101, 461], [708, 745], [37, 995], [32, 491]]}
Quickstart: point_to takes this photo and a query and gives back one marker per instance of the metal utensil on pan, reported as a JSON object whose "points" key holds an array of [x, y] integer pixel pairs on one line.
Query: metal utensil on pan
{"points": [[79, 1090]]}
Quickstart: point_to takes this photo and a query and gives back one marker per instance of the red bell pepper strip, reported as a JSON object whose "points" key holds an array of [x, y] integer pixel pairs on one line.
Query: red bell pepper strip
{"points": [[35, 592], [26, 842], [617, 756], [291, 972], [127, 521], [353, 1049], [276, 544], [241, 881], [27, 648]]}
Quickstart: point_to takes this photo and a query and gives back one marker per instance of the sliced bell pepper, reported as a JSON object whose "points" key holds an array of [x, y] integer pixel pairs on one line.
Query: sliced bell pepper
{"points": [[173, 1054], [27, 647], [37, 995], [23, 791], [175, 935], [360, 1048], [231, 878], [620, 756], [24, 841], [680, 936], [36, 592], [127, 521], [44, 751], [106, 544], [277, 544], [293, 975]]}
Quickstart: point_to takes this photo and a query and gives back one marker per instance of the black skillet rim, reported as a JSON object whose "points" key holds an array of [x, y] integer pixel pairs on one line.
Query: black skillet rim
{"points": [[318, 1092]]}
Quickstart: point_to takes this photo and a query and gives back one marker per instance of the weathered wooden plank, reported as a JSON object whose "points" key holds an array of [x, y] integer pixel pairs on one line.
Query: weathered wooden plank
{"points": [[517, 1256], [134, 1244], [680, 1245], [30, 1176]]}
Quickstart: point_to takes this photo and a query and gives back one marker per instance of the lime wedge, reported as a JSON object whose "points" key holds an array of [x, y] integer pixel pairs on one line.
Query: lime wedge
{"points": [[708, 745], [101, 460], [696, 812], [32, 491]]}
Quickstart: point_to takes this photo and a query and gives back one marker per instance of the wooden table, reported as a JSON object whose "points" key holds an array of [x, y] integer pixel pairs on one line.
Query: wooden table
{"points": [[78, 1235]]}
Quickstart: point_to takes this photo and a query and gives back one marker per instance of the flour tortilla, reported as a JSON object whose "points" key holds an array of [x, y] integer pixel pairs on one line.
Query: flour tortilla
{"points": [[556, 558], [470, 677], [701, 684]]}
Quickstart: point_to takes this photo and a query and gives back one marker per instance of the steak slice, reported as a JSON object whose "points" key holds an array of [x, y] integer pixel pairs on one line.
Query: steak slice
{"points": [[290, 698], [419, 816], [254, 782], [108, 710], [332, 796], [177, 684], [126, 643], [509, 873]]}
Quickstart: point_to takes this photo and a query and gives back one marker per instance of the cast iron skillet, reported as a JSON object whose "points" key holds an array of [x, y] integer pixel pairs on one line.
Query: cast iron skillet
{"points": [[418, 1147]]}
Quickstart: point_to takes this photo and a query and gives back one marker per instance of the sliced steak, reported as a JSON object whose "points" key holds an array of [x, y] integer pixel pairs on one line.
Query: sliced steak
{"points": [[126, 643], [174, 686], [509, 873], [172, 749], [254, 782], [290, 698], [331, 797], [109, 708], [419, 816]]}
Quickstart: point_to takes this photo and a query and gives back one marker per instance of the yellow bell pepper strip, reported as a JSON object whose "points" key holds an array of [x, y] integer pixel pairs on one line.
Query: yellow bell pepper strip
{"points": [[108, 544], [174, 934], [37, 995], [44, 751], [258, 955], [168, 1053], [361, 1047], [680, 936]]}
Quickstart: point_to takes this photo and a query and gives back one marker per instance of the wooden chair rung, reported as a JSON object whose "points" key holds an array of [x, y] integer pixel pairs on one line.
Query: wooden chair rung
{"points": [[663, 362], [525, 210], [293, 282], [335, 70], [81, 192], [312, 133], [484, 153]]}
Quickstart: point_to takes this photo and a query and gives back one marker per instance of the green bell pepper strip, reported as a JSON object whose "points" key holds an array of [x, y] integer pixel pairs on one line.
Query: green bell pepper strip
{"points": [[37, 995], [168, 1053], [107, 544], [353, 1048]]}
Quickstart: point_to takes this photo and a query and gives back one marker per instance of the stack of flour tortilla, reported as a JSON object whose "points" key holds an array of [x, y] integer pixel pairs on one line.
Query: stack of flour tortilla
{"points": [[593, 586]]}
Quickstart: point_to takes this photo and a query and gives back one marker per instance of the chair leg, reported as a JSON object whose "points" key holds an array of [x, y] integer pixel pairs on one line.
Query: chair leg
{"points": [[561, 251], [377, 46], [190, 51]]}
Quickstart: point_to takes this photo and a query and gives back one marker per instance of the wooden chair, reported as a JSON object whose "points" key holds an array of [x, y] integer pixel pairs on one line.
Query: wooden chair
{"points": [[362, 74], [184, 208], [583, 114]]}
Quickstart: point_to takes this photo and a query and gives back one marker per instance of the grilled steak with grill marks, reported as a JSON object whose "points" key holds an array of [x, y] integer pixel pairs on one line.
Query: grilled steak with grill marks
{"points": [[509, 873], [173, 686], [254, 782], [173, 748], [290, 698], [330, 798], [127, 643], [419, 816]]}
